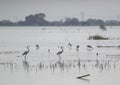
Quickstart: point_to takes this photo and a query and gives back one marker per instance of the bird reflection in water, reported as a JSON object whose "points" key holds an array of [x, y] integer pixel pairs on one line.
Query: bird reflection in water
{"points": [[26, 65], [85, 79]]}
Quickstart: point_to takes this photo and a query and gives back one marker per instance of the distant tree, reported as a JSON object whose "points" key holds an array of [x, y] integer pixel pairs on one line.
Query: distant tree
{"points": [[36, 20], [112, 23], [75, 21], [84, 23], [71, 22], [56, 23], [67, 21], [21, 23], [6, 23], [91, 21], [94, 22], [99, 22]]}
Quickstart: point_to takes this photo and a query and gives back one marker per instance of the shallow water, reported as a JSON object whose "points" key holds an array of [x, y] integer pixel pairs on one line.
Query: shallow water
{"points": [[44, 67]]}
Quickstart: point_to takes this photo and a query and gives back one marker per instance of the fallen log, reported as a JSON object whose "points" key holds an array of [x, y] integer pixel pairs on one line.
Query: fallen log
{"points": [[83, 76]]}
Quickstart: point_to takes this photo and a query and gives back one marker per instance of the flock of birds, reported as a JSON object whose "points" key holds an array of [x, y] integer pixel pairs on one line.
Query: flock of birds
{"points": [[25, 53]]}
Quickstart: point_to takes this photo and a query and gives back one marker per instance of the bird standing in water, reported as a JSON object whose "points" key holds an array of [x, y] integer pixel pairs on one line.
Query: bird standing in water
{"points": [[89, 47], [60, 52], [97, 54], [77, 48], [69, 44], [26, 52], [37, 47]]}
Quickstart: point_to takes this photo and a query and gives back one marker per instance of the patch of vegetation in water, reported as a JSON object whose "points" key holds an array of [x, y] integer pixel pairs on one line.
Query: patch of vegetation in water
{"points": [[103, 27], [97, 37], [109, 46]]}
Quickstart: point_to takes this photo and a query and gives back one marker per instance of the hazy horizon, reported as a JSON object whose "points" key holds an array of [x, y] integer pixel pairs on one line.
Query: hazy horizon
{"points": [[16, 10]]}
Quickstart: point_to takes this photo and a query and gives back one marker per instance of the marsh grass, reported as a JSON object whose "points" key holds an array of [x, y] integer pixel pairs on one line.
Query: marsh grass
{"points": [[97, 37]]}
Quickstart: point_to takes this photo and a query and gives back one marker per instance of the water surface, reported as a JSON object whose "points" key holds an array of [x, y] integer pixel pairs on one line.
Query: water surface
{"points": [[43, 67]]}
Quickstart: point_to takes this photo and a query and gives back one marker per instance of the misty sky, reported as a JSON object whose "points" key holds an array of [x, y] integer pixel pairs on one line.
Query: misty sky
{"points": [[59, 9]]}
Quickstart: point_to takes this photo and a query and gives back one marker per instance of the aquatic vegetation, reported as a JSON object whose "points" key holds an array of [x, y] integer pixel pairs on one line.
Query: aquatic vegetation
{"points": [[103, 27], [108, 46], [97, 37]]}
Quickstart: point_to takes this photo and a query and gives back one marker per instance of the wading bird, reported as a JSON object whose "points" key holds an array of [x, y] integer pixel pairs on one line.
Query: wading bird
{"points": [[89, 47], [70, 44], [60, 52], [26, 52], [77, 48], [37, 47], [97, 54], [48, 50]]}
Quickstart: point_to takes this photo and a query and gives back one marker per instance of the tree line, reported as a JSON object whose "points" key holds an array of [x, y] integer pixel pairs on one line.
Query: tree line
{"points": [[38, 19]]}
